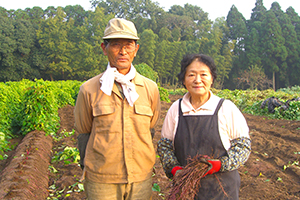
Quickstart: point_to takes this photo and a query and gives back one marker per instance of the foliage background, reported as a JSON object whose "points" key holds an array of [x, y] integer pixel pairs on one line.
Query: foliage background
{"points": [[64, 43]]}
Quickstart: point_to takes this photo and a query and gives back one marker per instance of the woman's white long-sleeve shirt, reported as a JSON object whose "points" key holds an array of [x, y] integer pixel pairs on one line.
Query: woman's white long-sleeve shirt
{"points": [[232, 123]]}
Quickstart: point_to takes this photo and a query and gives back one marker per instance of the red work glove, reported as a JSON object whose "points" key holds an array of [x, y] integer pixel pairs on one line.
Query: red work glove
{"points": [[175, 170], [215, 166]]}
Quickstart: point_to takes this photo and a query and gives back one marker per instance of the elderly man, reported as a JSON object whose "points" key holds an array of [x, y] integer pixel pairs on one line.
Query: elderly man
{"points": [[114, 113]]}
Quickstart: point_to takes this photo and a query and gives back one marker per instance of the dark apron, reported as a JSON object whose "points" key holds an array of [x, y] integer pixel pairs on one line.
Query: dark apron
{"points": [[200, 135]]}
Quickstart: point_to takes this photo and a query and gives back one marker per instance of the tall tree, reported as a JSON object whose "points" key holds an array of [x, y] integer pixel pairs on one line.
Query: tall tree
{"points": [[176, 34], [50, 11], [36, 15], [184, 24], [253, 48], [254, 26], [291, 44], [165, 34], [160, 58], [7, 48], [177, 10], [129, 9], [273, 46], [87, 56], [295, 19], [197, 46], [17, 40], [77, 13], [237, 28], [37, 59], [169, 62], [258, 12], [237, 33], [53, 38], [3, 12], [196, 21], [211, 43], [194, 12], [146, 53], [20, 14], [223, 51], [180, 51], [25, 39]]}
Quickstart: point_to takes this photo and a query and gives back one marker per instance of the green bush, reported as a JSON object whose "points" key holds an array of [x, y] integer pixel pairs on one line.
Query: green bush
{"points": [[39, 109], [11, 94], [244, 99], [164, 94], [32, 105], [147, 71], [179, 91], [292, 113], [294, 90]]}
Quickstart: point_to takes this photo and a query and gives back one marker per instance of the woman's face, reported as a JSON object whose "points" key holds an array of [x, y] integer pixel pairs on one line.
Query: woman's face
{"points": [[198, 79]]}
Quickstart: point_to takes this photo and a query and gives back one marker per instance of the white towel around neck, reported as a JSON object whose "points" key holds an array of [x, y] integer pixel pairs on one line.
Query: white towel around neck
{"points": [[111, 74]]}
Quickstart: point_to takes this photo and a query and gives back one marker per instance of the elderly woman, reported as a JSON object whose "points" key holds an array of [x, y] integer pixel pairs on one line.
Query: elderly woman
{"points": [[203, 124]]}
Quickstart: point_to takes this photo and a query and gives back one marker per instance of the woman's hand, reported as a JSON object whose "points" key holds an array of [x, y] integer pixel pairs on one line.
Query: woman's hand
{"points": [[215, 166], [176, 170]]}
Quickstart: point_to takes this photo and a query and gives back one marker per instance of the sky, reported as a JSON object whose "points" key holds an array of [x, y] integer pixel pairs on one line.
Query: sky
{"points": [[214, 8]]}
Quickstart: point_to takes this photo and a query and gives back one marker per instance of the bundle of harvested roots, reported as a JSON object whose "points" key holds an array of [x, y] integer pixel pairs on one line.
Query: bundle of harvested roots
{"points": [[186, 183]]}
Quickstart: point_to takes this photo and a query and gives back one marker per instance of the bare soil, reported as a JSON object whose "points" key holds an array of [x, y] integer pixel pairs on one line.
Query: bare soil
{"points": [[271, 173]]}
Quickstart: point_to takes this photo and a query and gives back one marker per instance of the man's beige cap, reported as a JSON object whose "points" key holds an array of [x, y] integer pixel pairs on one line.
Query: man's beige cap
{"points": [[120, 28]]}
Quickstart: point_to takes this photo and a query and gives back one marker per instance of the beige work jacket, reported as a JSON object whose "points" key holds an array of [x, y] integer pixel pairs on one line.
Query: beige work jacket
{"points": [[120, 148]]}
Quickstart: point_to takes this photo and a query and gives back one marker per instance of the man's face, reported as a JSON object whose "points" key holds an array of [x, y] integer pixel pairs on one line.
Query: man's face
{"points": [[120, 53]]}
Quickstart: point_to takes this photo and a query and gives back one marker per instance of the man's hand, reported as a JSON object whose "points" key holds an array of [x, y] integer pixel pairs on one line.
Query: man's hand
{"points": [[215, 166]]}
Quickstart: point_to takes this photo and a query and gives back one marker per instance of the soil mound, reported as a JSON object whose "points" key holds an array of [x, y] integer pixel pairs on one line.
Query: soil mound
{"points": [[26, 176]]}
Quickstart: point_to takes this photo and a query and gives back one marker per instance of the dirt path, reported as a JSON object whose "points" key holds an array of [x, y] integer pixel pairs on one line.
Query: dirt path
{"points": [[271, 173]]}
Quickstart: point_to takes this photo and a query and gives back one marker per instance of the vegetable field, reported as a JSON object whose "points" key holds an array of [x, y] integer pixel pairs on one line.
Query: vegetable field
{"points": [[40, 159]]}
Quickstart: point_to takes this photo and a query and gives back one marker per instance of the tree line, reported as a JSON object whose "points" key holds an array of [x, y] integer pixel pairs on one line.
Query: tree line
{"points": [[64, 43]]}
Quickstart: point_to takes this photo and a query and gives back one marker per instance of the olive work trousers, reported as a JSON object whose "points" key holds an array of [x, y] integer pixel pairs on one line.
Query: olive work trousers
{"points": [[133, 191]]}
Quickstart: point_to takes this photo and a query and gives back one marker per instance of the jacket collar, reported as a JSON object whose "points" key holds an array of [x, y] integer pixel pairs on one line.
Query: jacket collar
{"points": [[137, 80]]}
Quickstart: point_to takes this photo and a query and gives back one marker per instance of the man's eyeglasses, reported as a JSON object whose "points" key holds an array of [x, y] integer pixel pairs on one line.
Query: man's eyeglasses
{"points": [[116, 46]]}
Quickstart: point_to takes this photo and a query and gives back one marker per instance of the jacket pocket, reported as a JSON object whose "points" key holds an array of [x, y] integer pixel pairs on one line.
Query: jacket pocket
{"points": [[142, 119], [100, 110], [143, 110], [104, 118], [107, 138]]}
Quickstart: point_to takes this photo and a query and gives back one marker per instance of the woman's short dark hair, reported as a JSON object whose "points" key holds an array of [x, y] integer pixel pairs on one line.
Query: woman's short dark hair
{"points": [[188, 59]]}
